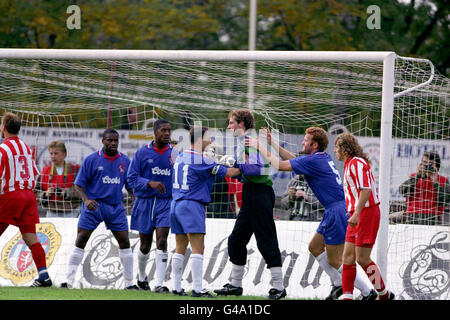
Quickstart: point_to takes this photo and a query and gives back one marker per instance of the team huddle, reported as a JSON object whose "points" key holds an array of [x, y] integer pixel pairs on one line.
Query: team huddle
{"points": [[170, 190]]}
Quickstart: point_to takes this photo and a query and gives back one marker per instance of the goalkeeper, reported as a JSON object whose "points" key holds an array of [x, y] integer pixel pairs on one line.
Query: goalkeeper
{"points": [[256, 213]]}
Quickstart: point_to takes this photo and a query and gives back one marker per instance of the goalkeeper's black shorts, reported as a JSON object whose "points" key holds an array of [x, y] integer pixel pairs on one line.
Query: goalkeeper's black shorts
{"points": [[255, 217]]}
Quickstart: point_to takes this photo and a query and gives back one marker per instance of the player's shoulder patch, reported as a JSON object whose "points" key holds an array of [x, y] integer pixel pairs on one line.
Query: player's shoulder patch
{"points": [[215, 170]]}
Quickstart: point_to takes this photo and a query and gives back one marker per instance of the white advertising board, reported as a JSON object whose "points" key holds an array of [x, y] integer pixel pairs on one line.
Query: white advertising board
{"points": [[418, 269]]}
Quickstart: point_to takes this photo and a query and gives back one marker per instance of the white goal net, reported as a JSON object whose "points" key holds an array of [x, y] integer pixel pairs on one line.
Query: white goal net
{"points": [[73, 99]]}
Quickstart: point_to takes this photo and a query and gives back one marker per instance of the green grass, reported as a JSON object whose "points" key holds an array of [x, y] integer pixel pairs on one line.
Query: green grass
{"points": [[25, 293]]}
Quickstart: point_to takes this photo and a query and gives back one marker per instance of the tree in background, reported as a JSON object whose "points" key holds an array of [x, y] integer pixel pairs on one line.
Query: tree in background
{"points": [[417, 28], [408, 27]]}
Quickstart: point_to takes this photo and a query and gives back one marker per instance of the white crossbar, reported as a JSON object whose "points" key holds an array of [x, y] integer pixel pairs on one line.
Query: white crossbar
{"points": [[195, 55]]}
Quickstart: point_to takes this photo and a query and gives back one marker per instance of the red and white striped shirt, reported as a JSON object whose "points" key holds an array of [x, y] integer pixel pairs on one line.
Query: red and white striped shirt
{"points": [[358, 175], [18, 170]]}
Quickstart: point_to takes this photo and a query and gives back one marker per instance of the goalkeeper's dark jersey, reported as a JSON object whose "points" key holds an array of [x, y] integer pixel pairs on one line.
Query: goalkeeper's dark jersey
{"points": [[253, 166]]}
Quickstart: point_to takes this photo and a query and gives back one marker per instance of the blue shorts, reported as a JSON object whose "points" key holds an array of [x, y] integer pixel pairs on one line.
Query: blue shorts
{"points": [[114, 216], [187, 216], [150, 213], [334, 224]]}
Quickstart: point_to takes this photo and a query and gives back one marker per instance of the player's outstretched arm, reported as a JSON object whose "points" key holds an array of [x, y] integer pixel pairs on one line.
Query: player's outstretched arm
{"points": [[248, 169], [267, 136], [227, 161], [281, 165]]}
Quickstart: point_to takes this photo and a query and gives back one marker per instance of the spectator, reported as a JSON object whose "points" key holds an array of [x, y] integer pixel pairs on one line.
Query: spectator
{"points": [[56, 192], [300, 200], [130, 119], [427, 193], [234, 194]]}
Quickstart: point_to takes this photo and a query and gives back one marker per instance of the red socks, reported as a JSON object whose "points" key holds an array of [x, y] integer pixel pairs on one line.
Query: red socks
{"points": [[38, 255], [374, 275], [348, 280]]}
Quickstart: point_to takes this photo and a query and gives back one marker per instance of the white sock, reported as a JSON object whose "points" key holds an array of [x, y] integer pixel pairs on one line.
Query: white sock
{"points": [[161, 265], [197, 271], [74, 261], [360, 284], [142, 264], [237, 274], [277, 278], [177, 270], [126, 257], [335, 276]]}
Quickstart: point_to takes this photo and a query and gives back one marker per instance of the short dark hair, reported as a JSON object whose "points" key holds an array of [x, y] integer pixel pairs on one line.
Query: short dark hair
{"points": [[109, 130], [197, 132], [12, 122], [243, 115], [433, 156], [158, 123]]}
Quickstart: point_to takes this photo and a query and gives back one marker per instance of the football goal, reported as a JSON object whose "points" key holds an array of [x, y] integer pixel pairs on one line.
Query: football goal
{"points": [[398, 107]]}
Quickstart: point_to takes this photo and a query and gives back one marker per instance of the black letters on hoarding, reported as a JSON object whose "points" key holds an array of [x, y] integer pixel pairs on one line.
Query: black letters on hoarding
{"points": [[102, 268]]}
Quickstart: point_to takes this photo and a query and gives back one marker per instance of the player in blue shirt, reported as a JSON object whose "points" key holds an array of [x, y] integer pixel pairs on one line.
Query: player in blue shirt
{"points": [[100, 182], [150, 176], [193, 180], [323, 178]]}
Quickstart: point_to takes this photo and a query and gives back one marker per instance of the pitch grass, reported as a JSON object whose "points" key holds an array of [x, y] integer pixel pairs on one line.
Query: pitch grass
{"points": [[54, 293]]}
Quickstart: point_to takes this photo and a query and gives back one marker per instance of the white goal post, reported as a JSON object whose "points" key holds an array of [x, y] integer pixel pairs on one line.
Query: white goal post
{"points": [[389, 92], [387, 58]]}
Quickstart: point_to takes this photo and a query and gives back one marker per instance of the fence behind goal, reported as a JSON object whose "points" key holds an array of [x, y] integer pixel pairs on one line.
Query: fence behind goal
{"points": [[73, 95]]}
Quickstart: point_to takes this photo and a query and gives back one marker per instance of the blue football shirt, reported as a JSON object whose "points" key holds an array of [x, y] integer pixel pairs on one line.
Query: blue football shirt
{"points": [[193, 176], [322, 176], [150, 165], [103, 179]]}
